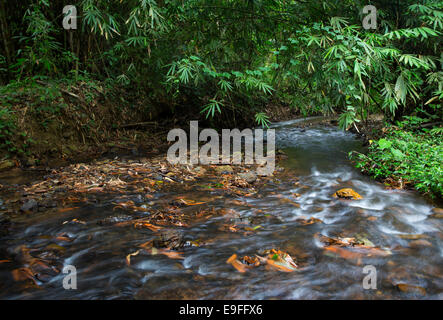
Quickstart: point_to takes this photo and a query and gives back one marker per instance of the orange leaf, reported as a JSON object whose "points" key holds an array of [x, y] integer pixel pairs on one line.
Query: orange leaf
{"points": [[412, 289], [22, 274], [147, 225], [147, 244], [344, 253], [61, 238], [66, 209], [236, 264], [172, 254], [231, 258], [128, 257], [279, 267]]}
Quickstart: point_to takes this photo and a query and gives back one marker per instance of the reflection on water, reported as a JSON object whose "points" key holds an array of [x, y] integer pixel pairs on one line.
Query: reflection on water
{"points": [[318, 166]]}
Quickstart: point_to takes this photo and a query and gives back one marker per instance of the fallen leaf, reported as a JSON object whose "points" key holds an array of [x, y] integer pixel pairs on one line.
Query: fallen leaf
{"points": [[279, 266], [67, 209], [251, 261], [411, 289], [128, 257], [147, 225], [309, 221], [172, 254], [236, 264], [22, 274]]}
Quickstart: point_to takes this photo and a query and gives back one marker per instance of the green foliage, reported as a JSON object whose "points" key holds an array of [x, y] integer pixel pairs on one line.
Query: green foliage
{"points": [[210, 108], [410, 157], [7, 128], [262, 119], [312, 55]]}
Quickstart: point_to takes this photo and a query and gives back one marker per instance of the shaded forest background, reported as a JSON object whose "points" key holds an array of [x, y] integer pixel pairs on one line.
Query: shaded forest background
{"points": [[226, 62]]}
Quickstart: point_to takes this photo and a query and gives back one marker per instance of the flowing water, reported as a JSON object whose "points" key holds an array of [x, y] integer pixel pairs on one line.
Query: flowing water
{"points": [[317, 158]]}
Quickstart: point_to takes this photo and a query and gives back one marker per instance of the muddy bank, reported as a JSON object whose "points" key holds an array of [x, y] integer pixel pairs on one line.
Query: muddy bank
{"points": [[55, 124], [52, 124]]}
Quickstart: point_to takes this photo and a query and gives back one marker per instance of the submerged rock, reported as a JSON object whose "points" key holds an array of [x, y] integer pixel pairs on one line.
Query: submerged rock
{"points": [[437, 210], [420, 243], [114, 219], [224, 169], [6, 164], [404, 287], [171, 239], [29, 205], [347, 193], [249, 177], [200, 170]]}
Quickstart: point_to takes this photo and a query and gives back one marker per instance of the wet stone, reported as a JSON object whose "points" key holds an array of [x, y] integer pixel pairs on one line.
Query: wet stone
{"points": [[420, 243], [437, 213], [171, 239], [347, 193], [49, 204], [29, 205], [114, 219], [6, 165], [200, 170], [157, 177], [437, 210], [249, 177], [224, 169]]}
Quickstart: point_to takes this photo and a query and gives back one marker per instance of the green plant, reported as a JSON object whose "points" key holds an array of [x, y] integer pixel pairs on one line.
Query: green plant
{"points": [[409, 157], [7, 130]]}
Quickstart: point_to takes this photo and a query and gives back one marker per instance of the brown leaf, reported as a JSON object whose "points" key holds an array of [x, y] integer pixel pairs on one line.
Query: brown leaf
{"points": [[66, 209], [147, 225], [172, 254], [344, 253], [128, 257], [22, 274], [236, 264], [411, 289], [309, 221], [251, 261]]}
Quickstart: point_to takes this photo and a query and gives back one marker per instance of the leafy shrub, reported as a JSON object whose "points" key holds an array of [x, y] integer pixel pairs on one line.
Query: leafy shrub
{"points": [[7, 128], [410, 157]]}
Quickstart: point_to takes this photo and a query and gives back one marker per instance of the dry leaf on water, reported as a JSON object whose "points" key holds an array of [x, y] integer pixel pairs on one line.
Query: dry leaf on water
{"points": [[147, 225], [22, 274], [171, 254], [411, 288], [236, 264], [128, 257], [62, 210]]}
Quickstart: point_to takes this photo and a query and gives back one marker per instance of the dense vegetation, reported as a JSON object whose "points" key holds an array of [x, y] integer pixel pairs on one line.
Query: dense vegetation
{"points": [[229, 60], [406, 157]]}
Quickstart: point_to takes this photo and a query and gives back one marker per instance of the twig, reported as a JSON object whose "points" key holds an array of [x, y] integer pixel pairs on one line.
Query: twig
{"points": [[139, 124]]}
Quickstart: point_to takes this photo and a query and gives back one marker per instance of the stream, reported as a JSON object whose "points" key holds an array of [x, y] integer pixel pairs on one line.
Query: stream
{"points": [[317, 163]]}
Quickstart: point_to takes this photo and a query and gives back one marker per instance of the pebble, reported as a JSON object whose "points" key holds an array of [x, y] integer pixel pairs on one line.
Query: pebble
{"points": [[29, 205], [250, 176]]}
